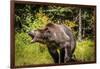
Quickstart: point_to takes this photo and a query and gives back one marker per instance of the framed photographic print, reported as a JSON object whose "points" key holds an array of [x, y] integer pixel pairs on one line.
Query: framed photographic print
{"points": [[49, 34]]}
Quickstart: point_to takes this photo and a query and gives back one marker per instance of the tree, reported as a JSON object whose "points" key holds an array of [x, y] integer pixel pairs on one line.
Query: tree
{"points": [[80, 26]]}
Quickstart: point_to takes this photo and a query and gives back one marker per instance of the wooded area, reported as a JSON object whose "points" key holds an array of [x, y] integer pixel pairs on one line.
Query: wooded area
{"points": [[81, 20]]}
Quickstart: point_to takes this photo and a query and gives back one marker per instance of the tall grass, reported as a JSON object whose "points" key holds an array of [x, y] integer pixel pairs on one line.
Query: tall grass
{"points": [[27, 53], [85, 51]]}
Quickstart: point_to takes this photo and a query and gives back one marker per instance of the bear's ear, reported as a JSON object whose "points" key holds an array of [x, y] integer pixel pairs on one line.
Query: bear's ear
{"points": [[50, 25]]}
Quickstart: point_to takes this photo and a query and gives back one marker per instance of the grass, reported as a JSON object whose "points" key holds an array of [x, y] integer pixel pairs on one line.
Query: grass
{"points": [[29, 54], [85, 51], [33, 55]]}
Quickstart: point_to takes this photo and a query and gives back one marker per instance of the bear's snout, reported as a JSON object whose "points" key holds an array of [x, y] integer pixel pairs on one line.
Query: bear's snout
{"points": [[32, 34]]}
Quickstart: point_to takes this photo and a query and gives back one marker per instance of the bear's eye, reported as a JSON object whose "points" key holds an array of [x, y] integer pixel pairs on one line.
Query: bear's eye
{"points": [[48, 31]]}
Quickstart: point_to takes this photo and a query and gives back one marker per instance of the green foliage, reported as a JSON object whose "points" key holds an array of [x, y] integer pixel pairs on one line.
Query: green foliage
{"points": [[70, 24], [40, 21]]}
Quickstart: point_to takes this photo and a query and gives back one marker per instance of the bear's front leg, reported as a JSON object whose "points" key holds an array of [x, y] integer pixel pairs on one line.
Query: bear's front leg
{"points": [[53, 52], [62, 54]]}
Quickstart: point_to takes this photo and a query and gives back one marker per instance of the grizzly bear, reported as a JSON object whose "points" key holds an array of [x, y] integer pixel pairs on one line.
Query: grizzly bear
{"points": [[56, 36]]}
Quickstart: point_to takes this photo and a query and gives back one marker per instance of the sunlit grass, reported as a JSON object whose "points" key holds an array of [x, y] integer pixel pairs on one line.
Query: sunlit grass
{"points": [[27, 53], [85, 51]]}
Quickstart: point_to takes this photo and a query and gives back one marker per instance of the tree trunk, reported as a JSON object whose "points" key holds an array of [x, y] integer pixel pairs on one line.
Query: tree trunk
{"points": [[80, 26]]}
